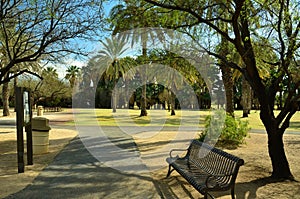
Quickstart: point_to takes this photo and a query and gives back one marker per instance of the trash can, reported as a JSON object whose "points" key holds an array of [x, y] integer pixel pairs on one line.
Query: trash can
{"points": [[40, 111], [40, 135]]}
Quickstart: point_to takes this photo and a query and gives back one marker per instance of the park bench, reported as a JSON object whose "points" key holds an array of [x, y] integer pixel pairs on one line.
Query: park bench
{"points": [[206, 168]]}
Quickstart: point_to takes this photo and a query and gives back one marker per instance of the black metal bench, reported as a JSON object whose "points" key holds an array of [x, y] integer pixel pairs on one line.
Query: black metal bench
{"points": [[206, 168]]}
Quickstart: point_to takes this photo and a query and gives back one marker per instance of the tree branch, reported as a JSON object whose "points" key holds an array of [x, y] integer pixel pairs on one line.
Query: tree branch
{"points": [[7, 79], [197, 16]]}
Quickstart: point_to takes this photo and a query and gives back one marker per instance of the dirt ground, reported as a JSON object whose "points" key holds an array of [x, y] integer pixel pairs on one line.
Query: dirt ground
{"points": [[11, 181], [252, 181]]}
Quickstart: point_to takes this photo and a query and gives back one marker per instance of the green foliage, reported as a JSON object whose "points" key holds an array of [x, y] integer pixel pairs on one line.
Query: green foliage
{"points": [[51, 91], [233, 131], [72, 74], [213, 126]]}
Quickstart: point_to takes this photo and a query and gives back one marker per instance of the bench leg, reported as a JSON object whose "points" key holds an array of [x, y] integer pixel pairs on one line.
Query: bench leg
{"points": [[169, 171], [232, 193], [208, 194]]}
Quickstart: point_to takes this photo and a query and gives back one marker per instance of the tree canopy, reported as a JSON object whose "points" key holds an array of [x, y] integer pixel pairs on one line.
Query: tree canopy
{"points": [[269, 26], [44, 30]]}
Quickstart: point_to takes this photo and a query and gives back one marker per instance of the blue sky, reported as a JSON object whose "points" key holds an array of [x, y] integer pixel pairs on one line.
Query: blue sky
{"points": [[92, 46]]}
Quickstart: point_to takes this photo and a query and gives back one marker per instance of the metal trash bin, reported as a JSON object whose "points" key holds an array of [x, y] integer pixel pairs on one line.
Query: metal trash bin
{"points": [[40, 111], [40, 135]]}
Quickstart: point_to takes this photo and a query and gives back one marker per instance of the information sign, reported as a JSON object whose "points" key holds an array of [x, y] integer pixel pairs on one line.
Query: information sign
{"points": [[26, 107]]}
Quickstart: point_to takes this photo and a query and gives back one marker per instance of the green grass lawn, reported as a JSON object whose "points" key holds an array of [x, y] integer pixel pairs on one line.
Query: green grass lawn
{"points": [[255, 122], [125, 117]]}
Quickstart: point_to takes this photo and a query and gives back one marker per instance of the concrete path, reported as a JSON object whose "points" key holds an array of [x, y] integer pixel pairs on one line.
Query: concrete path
{"points": [[76, 174]]}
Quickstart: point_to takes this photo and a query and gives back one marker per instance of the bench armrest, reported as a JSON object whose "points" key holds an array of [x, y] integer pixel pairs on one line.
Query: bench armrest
{"points": [[172, 150]]}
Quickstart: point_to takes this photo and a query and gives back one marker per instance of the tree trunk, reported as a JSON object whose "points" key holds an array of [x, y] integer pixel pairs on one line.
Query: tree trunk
{"points": [[279, 161], [5, 99], [246, 97], [126, 95], [15, 86], [172, 103], [114, 101], [143, 112], [280, 165], [144, 78], [228, 85], [114, 94], [227, 76], [144, 93]]}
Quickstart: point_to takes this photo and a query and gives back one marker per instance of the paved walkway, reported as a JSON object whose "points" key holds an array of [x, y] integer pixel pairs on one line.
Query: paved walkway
{"points": [[76, 174]]}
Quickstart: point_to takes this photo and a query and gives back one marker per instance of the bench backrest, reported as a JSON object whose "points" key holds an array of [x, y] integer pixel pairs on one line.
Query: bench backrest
{"points": [[213, 160]]}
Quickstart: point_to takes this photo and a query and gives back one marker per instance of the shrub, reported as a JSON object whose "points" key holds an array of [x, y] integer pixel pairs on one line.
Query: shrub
{"points": [[233, 131]]}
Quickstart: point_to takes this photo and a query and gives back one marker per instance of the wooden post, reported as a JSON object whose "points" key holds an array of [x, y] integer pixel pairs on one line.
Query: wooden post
{"points": [[20, 118]]}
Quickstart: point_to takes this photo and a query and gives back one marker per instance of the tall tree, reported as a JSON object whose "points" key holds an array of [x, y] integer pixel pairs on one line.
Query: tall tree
{"points": [[113, 49], [135, 17], [276, 22], [50, 72], [50, 90], [180, 69], [227, 76], [35, 67], [224, 51], [247, 96], [5, 99], [44, 30], [71, 75], [123, 19]]}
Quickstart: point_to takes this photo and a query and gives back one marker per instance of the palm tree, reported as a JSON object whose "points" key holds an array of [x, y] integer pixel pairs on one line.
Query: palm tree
{"points": [[227, 72], [263, 69], [72, 74], [133, 18], [109, 58], [50, 72], [173, 79]]}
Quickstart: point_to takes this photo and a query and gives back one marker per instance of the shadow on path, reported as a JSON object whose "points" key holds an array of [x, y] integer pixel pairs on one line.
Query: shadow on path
{"points": [[75, 173]]}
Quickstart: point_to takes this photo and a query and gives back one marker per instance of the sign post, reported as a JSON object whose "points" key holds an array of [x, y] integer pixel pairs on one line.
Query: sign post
{"points": [[20, 138], [23, 116]]}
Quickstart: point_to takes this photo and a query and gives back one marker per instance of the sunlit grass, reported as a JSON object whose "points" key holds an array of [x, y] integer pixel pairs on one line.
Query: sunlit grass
{"points": [[125, 117], [256, 123]]}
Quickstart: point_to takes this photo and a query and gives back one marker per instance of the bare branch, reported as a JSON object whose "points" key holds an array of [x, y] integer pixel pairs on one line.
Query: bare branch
{"points": [[35, 30]]}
